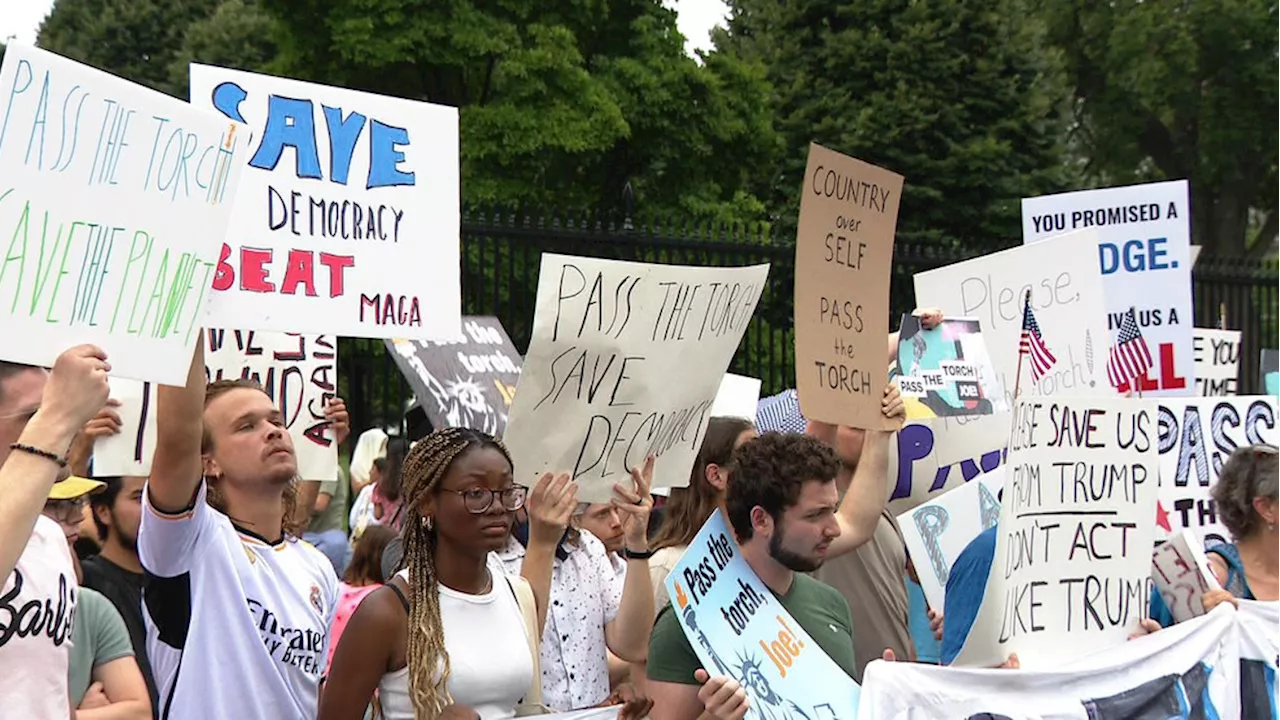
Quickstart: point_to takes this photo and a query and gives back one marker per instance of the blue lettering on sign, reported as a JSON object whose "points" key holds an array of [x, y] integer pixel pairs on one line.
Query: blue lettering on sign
{"points": [[291, 123], [1135, 256]]}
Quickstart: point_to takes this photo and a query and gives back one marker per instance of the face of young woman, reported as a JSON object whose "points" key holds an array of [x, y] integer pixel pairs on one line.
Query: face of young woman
{"points": [[474, 506]]}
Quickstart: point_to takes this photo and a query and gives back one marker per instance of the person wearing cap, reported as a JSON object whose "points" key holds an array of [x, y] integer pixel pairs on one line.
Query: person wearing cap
{"points": [[103, 678], [41, 412]]}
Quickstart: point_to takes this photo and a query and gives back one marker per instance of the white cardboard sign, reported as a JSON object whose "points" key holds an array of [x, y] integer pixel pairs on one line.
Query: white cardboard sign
{"points": [[1182, 575], [737, 397], [1217, 359]]}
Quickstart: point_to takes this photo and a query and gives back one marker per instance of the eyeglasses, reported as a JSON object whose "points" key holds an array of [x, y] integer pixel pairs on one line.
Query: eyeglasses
{"points": [[68, 512], [479, 500]]}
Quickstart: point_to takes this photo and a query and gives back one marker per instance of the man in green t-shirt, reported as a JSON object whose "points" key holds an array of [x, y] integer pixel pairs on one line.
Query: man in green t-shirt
{"points": [[781, 502]]}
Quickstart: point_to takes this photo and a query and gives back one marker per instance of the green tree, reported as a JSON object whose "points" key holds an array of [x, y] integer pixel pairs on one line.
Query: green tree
{"points": [[1180, 90], [238, 34], [957, 96]]}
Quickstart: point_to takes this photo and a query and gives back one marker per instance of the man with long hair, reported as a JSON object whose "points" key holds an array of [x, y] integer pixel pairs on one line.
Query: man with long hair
{"points": [[235, 600]]}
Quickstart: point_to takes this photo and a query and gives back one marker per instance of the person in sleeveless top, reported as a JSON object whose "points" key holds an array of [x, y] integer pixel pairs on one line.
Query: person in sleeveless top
{"points": [[1245, 495]]}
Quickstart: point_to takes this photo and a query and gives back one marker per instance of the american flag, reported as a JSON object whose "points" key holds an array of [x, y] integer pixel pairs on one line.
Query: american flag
{"points": [[1033, 344], [1129, 357]]}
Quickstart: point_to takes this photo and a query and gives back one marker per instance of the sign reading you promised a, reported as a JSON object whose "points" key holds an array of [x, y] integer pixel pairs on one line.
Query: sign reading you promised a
{"points": [[114, 199], [1072, 568], [1143, 249], [844, 254], [347, 219], [739, 629], [299, 372], [625, 362]]}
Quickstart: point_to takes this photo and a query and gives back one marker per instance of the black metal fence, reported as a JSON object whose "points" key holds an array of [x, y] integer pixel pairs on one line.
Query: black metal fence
{"points": [[501, 252]]}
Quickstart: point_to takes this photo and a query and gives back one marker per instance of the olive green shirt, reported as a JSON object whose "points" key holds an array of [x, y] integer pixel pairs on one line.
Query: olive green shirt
{"points": [[334, 517], [97, 638], [819, 608]]}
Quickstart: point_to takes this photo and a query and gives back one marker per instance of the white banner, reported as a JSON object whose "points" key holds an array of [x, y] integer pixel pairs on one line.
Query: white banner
{"points": [[1197, 435], [1066, 297], [1143, 248], [114, 200], [347, 220], [299, 372], [1217, 359], [625, 361], [1072, 566]]}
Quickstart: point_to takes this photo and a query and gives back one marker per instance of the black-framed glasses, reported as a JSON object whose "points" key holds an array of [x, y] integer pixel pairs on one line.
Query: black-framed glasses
{"points": [[478, 500]]}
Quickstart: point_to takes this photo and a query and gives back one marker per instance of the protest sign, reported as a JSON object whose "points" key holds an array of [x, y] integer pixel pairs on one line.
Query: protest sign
{"points": [[1066, 296], [737, 397], [1182, 575], [625, 362], [739, 629], [299, 372], [468, 381], [1143, 242], [931, 456], [1270, 373], [1197, 435], [113, 203], [844, 253], [1217, 359], [1072, 566], [936, 532], [1186, 671], [347, 220], [946, 371]]}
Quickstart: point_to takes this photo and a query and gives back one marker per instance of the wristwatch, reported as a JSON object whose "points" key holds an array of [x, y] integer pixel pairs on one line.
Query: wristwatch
{"points": [[630, 554]]}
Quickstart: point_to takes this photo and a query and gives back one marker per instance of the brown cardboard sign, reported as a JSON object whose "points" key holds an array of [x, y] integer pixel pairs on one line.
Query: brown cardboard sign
{"points": [[844, 257]]}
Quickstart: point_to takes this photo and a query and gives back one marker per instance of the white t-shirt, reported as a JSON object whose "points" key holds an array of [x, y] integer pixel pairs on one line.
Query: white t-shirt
{"points": [[236, 627], [490, 668], [37, 608]]}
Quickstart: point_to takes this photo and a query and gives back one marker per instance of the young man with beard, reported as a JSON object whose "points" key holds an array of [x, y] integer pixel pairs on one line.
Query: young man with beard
{"points": [[781, 502], [116, 571], [237, 607]]}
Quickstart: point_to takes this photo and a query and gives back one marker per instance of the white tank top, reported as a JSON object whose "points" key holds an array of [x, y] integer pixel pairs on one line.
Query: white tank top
{"points": [[490, 665]]}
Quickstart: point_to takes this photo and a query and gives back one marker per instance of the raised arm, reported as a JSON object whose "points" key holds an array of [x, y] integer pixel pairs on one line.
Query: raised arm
{"points": [[550, 506], [628, 635], [75, 390], [860, 509], [177, 466]]}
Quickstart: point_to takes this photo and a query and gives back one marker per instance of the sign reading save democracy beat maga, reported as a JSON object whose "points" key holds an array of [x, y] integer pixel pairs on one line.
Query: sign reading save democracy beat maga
{"points": [[113, 201], [1071, 572], [1143, 247], [625, 362], [299, 372], [347, 218], [740, 630]]}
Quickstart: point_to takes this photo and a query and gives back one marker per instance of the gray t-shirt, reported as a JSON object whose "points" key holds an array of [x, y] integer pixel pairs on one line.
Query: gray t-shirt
{"points": [[335, 516], [98, 637]]}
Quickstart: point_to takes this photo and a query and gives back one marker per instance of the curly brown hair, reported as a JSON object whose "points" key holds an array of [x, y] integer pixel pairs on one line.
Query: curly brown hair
{"points": [[770, 471], [290, 524], [1250, 472]]}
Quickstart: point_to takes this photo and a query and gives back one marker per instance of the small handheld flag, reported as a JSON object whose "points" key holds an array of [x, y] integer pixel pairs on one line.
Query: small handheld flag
{"points": [[1130, 357], [1032, 344]]}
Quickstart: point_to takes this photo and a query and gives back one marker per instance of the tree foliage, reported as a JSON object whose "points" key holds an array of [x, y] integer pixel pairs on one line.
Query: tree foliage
{"points": [[956, 96], [1180, 90]]}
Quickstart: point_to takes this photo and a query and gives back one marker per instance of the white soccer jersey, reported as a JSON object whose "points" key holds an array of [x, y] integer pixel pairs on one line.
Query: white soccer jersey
{"points": [[236, 627]]}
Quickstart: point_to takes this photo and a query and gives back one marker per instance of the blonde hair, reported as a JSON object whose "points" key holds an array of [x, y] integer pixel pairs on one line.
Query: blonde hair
{"points": [[424, 469]]}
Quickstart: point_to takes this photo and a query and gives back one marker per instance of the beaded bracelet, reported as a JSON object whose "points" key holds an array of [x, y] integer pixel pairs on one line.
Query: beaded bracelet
{"points": [[28, 449]]}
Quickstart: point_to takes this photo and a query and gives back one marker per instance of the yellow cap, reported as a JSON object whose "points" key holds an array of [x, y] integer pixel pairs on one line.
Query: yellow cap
{"points": [[74, 487]]}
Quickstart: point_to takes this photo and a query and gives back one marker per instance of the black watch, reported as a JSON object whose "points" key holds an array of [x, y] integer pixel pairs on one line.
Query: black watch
{"points": [[630, 554]]}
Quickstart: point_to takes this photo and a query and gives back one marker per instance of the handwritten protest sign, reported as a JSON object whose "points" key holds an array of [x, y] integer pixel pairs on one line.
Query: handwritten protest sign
{"points": [[1217, 359], [946, 371], [299, 372], [1072, 568], [1197, 435], [1143, 239], [1270, 380], [844, 253], [936, 532], [931, 456], [1182, 575], [1066, 296], [113, 203], [347, 219], [469, 381], [625, 362], [737, 397], [740, 630]]}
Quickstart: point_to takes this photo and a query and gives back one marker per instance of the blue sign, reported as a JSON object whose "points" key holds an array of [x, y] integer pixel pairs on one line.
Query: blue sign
{"points": [[739, 629]]}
